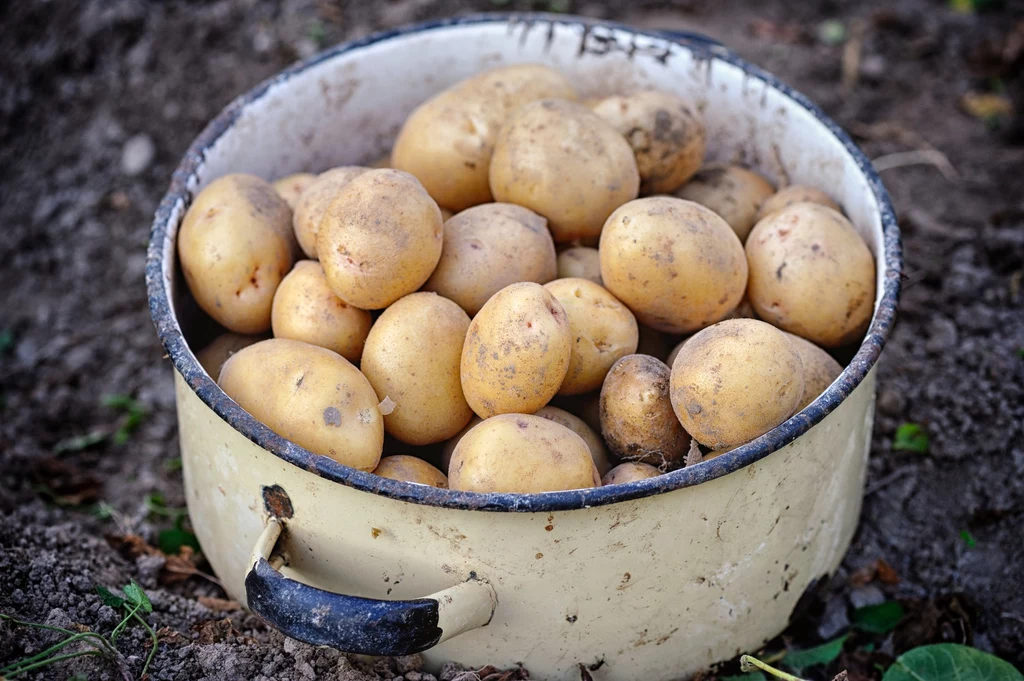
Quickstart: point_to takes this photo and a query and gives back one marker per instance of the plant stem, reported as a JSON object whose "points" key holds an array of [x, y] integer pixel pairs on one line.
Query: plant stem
{"points": [[54, 648], [122, 624], [747, 662], [156, 642], [35, 624], [53, 660]]}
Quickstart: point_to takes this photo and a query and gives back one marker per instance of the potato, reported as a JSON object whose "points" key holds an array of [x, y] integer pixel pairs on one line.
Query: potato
{"points": [[811, 274], [488, 247], [380, 239], [410, 469], [586, 407], [235, 245], [580, 261], [629, 472], [306, 309], [653, 343], [735, 381], [447, 142], [517, 351], [313, 204], [668, 140], [637, 420], [565, 162], [820, 369], [213, 356], [522, 454], [309, 395], [674, 263], [578, 426], [412, 355], [291, 187], [796, 193], [743, 311], [733, 192], [675, 352], [449, 447], [602, 331]]}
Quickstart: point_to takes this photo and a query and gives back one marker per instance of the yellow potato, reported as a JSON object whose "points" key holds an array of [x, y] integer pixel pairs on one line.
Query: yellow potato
{"points": [[629, 472], [811, 274], [291, 187], [315, 200], [674, 263], [306, 309], [580, 261], [447, 142], [449, 447], [412, 356], [522, 454], [578, 426], [562, 160], [309, 395], [733, 192], [235, 245], [488, 247], [602, 331], [637, 420], [213, 356], [517, 351], [380, 239], [796, 193], [668, 140], [735, 381], [820, 369], [410, 469], [675, 352]]}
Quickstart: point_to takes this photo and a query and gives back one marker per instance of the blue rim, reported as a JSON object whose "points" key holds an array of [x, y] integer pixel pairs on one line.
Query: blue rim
{"points": [[207, 390]]}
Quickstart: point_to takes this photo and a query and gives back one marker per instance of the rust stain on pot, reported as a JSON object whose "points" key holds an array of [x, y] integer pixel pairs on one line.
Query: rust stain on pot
{"points": [[374, 532], [276, 502]]}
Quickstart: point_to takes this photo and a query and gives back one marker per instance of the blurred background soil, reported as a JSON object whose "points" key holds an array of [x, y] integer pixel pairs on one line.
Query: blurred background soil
{"points": [[100, 98]]}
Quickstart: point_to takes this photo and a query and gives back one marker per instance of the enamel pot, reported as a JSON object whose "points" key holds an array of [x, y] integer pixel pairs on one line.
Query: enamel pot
{"points": [[654, 579]]}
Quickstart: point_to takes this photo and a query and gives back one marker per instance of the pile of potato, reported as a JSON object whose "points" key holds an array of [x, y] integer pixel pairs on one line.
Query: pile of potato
{"points": [[478, 305]]}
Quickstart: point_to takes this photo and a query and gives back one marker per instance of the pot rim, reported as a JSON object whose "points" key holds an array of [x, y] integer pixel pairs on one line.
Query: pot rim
{"points": [[210, 393]]}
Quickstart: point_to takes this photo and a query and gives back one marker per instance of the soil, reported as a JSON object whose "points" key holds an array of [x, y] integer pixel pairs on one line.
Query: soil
{"points": [[99, 99]]}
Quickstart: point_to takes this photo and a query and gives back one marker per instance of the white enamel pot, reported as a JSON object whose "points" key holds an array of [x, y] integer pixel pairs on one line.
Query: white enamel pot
{"points": [[654, 579]]}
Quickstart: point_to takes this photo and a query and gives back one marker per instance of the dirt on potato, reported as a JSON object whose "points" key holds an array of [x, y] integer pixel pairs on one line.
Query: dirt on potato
{"points": [[100, 98]]}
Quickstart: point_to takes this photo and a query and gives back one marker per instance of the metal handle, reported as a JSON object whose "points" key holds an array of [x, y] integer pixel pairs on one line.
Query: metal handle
{"points": [[360, 625]]}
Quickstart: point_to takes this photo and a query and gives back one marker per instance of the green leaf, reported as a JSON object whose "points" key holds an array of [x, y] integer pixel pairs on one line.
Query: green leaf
{"points": [[173, 465], [878, 619], [80, 442], [108, 597], [832, 32], [136, 413], [137, 597], [171, 541], [102, 511], [910, 437], [968, 539], [749, 676], [154, 503], [798, 660], [944, 661]]}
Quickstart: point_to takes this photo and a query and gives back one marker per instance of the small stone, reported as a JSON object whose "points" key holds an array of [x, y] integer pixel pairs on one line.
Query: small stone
{"points": [[865, 596], [306, 48], [408, 663], [873, 67], [413, 676], [943, 335], [262, 42], [137, 154], [891, 401], [835, 618]]}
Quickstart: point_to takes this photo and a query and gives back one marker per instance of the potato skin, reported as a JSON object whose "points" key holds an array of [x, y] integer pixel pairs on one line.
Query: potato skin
{"points": [[578, 426], [637, 420], [235, 245], [733, 192], [583, 262], [517, 352], [668, 140], [795, 193], [602, 331], [291, 187], [629, 472], [314, 201], [522, 454], [380, 239], [562, 160], [488, 247], [811, 274], [306, 309], [448, 140], [309, 395], [449, 447], [735, 381], [213, 356], [412, 355], [820, 369], [674, 263], [410, 469]]}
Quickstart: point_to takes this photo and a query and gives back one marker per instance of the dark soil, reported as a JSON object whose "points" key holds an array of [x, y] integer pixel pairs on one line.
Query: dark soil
{"points": [[88, 89]]}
